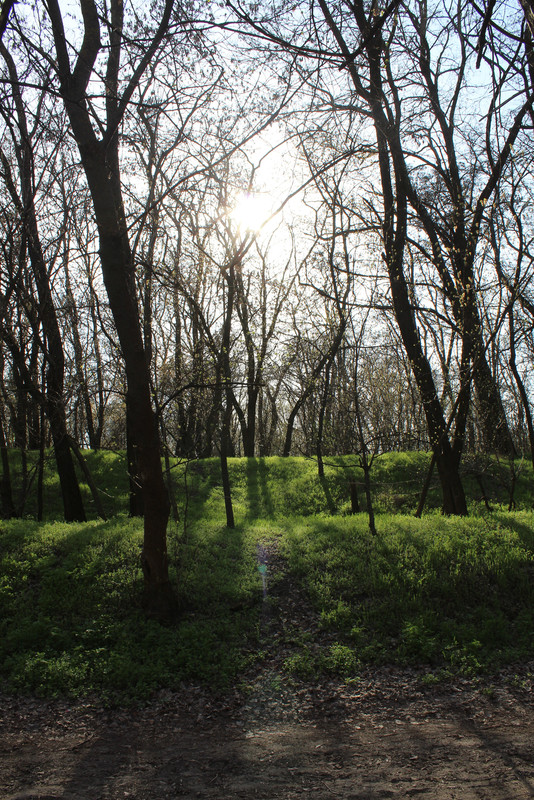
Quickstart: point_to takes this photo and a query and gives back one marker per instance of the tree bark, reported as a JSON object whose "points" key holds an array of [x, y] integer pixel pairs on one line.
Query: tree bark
{"points": [[55, 408], [325, 361], [6, 492], [100, 160], [520, 385], [394, 227]]}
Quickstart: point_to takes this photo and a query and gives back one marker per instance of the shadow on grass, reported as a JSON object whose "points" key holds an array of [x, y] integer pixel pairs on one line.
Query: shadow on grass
{"points": [[75, 622], [328, 495], [513, 522], [457, 596], [259, 496], [196, 484]]}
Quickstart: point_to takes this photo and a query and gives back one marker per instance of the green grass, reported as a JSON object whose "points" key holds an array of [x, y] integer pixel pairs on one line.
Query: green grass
{"points": [[270, 487], [72, 622], [449, 595], [267, 487]]}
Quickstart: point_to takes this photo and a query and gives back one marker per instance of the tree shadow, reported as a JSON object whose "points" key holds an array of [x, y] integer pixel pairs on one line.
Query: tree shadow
{"points": [[195, 484], [259, 495], [524, 531], [328, 495]]}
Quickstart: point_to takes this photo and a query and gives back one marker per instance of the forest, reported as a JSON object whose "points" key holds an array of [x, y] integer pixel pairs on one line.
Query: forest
{"points": [[257, 230]]}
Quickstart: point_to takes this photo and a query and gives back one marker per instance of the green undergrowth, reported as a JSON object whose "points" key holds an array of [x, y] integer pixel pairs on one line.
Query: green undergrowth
{"points": [[453, 595], [72, 621], [448, 595], [275, 486], [272, 487]]}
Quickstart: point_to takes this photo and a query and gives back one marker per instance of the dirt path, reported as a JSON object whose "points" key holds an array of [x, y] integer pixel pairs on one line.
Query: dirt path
{"points": [[386, 736]]}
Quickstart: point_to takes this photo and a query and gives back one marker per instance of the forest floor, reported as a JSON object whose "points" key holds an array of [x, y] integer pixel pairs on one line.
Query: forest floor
{"points": [[389, 735], [391, 732]]}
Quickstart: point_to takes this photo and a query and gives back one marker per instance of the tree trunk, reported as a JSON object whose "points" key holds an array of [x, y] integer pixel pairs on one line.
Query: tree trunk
{"points": [[72, 499], [394, 231], [89, 478], [325, 361], [70, 490], [320, 426], [354, 501], [497, 434], [520, 385], [225, 475], [79, 362], [227, 377], [6, 493], [100, 160], [142, 426], [136, 506]]}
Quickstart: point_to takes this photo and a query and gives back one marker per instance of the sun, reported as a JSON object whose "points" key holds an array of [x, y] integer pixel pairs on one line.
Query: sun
{"points": [[251, 211]]}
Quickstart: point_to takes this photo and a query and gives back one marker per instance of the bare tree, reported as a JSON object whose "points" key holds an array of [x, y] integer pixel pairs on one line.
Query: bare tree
{"points": [[95, 127], [23, 196]]}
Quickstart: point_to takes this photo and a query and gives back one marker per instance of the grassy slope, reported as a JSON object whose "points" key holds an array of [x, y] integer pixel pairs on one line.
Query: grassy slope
{"points": [[452, 595]]}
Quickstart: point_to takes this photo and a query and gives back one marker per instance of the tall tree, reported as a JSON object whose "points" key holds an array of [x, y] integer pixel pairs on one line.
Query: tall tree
{"points": [[23, 197], [409, 70], [5, 8], [96, 131]]}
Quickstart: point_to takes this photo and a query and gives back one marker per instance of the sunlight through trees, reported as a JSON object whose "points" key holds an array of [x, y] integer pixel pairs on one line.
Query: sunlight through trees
{"points": [[256, 229]]}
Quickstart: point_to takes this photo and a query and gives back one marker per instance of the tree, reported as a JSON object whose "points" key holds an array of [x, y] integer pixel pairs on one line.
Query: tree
{"points": [[5, 8], [95, 128], [405, 76], [352, 40], [23, 199]]}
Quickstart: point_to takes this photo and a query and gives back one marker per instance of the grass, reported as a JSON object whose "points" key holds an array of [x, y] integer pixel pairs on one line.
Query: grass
{"points": [[72, 623], [450, 595], [267, 487]]}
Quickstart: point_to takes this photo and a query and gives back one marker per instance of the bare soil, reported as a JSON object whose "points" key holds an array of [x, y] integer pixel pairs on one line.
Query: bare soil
{"points": [[389, 735]]}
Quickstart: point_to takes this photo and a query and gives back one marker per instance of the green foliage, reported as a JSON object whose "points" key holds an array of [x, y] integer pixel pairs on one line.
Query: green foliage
{"points": [[438, 591], [275, 487], [108, 469], [72, 623], [454, 595]]}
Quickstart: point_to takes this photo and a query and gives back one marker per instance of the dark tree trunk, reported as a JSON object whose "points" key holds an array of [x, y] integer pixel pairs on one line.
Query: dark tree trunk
{"points": [[497, 436], [84, 467], [447, 465], [79, 361], [100, 403], [520, 385], [395, 189], [5, 8], [248, 420], [70, 491], [320, 426], [40, 468], [135, 496], [227, 414], [354, 501], [325, 361], [100, 160], [145, 464], [6, 493], [225, 475]]}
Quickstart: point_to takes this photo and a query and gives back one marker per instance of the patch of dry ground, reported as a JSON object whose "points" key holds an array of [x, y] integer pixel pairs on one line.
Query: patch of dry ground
{"points": [[386, 736]]}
